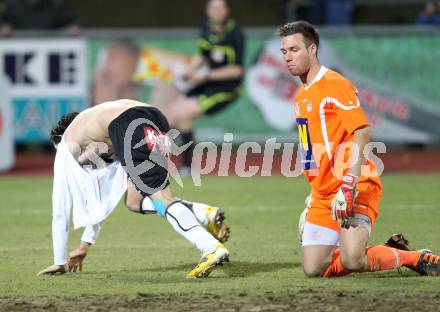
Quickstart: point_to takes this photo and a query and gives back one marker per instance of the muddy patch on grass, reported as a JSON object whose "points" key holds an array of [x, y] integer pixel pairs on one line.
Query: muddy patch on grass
{"points": [[303, 300]]}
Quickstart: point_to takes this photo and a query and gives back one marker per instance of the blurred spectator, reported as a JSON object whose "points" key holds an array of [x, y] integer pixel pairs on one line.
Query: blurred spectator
{"points": [[37, 15], [216, 73], [430, 15]]}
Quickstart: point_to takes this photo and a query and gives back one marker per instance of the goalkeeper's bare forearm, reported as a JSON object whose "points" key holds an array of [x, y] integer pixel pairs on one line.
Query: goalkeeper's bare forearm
{"points": [[361, 137]]}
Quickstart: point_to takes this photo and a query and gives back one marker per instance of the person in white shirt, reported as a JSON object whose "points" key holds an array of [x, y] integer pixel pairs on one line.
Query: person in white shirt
{"points": [[135, 134]]}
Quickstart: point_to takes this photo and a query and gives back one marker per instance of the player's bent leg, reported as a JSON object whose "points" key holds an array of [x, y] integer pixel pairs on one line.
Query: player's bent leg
{"points": [[381, 257], [135, 202], [133, 199], [186, 224], [353, 241], [211, 217], [357, 257], [316, 259], [318, 246]]}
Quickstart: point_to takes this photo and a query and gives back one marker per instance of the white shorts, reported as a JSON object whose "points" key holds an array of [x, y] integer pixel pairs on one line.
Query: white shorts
{"points": [[320, 235]]}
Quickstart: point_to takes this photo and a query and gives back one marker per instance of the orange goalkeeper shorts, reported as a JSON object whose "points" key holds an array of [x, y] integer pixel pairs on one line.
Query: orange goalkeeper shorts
{"points": [[366, 203]]}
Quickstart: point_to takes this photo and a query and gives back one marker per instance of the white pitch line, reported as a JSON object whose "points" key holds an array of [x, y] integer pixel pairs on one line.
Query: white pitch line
{"points": [[415, 206], [24, 248], [20, 212]]}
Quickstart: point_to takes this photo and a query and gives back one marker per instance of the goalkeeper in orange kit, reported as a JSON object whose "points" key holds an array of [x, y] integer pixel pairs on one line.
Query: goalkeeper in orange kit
{"points": [[346, 189]]}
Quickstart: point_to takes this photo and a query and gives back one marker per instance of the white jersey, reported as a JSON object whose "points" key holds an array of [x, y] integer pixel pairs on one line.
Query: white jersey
{"points": [[93, 194]]}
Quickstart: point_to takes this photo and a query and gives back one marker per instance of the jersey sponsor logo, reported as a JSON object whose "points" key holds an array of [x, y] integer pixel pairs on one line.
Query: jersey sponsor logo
{"points": [[305, 144]]}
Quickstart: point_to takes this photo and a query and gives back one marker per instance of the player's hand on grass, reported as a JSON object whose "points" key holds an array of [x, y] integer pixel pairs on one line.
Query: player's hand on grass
{"points": [[343, 203], [76, 257], [53, 269]]}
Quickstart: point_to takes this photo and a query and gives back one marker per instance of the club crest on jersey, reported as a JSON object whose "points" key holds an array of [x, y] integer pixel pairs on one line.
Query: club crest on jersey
{"points": [[305, 144], [307, 104]]}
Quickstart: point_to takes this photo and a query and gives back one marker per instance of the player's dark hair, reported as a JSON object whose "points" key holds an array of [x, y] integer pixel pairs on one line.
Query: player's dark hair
{"points": [[308, 31], [58, 130]]}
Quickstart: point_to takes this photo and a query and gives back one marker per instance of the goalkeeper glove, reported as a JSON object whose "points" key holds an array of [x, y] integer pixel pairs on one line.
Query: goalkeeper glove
{"points": [[343, 203]]}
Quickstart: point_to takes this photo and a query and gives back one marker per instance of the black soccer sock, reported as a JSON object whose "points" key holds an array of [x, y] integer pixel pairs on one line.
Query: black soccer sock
{"points": [[188, 153]]}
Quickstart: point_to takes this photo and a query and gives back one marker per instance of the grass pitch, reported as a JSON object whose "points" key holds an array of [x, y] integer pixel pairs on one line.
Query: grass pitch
{"points": [[140, 263]]}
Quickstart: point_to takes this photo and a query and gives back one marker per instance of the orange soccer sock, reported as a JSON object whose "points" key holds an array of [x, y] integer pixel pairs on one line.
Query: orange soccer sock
{"points": [[382, 258], [335, 268]]}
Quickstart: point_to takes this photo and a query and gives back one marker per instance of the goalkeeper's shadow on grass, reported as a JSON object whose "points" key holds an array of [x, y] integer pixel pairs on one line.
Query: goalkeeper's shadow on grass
{"points": [[238, 268]]}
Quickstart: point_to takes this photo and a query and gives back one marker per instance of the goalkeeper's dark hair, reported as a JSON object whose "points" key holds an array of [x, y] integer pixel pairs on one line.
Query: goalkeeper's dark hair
{"points": [[308, 31], [58, 130]]}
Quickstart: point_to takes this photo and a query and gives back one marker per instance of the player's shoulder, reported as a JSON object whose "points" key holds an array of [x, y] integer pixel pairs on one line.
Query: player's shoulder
{"points": [[333, 79], [338, 87]]}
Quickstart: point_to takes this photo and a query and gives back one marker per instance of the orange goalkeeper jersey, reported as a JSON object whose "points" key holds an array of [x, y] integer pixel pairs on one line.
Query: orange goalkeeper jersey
{"points": [[327, 114]]}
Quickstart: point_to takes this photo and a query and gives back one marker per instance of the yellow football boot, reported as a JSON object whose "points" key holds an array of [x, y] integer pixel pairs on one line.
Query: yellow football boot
{"points": [[216, 225], [208, 262]]}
